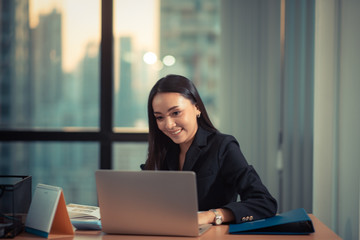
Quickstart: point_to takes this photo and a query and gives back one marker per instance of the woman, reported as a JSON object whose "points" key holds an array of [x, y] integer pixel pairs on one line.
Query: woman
{"points": [[182, 137]]}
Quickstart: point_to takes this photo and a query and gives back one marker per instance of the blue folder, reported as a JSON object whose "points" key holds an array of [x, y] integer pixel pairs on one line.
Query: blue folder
{"points": [[292, 222], [87, 224]]}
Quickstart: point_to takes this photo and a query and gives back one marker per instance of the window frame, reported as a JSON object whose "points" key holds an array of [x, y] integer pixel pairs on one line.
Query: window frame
{"points": [[105, 136]]}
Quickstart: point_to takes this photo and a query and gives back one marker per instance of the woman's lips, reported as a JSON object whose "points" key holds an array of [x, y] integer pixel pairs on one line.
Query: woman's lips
{"points": [[175, 132]]}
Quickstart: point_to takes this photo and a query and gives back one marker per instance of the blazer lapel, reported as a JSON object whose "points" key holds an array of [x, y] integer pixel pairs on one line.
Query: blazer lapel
{"points": [[192, 156], [194, 151]]}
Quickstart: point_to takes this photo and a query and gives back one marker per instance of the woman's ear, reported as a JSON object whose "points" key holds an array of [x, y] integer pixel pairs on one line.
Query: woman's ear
{"points": [[198, 112]]}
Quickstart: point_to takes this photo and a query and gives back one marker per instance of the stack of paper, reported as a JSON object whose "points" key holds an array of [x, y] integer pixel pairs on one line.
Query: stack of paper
{"points": [[84, 217]]}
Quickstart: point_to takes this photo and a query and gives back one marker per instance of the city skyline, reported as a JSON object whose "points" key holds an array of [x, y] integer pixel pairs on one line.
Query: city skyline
{"points": [[80, 29]]}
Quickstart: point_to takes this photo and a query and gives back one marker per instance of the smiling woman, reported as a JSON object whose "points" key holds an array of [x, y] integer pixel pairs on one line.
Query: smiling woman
{"points": [[168, 97], [176, 117], [182, 138]]}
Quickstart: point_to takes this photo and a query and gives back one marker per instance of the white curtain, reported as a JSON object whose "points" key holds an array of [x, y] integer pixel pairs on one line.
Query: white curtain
{"points": [[337, 116], [266, 98]]}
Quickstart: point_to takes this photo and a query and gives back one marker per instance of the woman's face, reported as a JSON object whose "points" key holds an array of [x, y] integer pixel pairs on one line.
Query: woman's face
{"points": [[176, 117]]}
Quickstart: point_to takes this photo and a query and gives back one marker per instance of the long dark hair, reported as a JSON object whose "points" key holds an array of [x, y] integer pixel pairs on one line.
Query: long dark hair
{"points": [[158, 141]]}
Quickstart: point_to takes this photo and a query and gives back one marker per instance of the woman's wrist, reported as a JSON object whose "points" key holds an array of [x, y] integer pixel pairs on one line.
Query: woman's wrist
{"points": [[224, 214], [208, 217], [218, 218]]}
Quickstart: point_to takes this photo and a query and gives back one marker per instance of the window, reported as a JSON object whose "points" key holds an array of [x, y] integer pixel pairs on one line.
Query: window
{"points": [[70, 165], [74, 81]]}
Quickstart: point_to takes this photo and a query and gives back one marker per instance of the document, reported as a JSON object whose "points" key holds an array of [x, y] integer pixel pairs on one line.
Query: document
{"points": [[84, 217], [83, 212]]}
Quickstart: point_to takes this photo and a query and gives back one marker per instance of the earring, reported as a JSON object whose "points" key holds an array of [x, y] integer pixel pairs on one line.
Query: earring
{"points": [[198, 116]]}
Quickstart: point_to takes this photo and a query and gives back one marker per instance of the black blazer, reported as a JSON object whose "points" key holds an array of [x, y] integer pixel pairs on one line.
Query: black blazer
{"points": [[222, 173]]}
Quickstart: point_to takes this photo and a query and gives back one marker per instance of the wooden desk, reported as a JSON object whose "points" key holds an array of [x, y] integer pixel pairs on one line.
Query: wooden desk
{"points": [[216, 232]]}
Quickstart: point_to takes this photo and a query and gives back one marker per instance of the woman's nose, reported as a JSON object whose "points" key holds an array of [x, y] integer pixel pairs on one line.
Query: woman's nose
{"points": [[170, 123]]}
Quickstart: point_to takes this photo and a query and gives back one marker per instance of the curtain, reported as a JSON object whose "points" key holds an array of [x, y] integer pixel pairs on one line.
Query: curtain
{"points": [[266, 93], [336, 191], [298, 102]]}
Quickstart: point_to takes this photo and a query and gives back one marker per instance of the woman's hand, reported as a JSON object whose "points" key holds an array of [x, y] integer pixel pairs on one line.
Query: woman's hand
{"points": [[206, 217]]}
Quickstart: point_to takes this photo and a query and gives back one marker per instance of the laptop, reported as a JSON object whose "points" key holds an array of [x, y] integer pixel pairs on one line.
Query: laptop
{"points": [[148, 203]]}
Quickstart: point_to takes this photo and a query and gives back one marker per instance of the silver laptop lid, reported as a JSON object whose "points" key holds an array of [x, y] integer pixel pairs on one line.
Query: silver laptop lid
{"points": [[148, 202]]}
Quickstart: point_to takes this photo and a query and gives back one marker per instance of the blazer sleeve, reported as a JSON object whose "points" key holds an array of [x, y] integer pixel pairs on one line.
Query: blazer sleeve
{"points": [[255, 200]]}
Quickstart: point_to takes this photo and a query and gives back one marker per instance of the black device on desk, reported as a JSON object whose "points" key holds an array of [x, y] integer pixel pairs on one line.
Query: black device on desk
{"points": [[15, 199]]}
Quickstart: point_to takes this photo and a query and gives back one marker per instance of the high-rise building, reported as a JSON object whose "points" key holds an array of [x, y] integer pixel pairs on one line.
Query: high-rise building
{"points": [[124, 99], [14, 64], [46, 64], [88, 91]]}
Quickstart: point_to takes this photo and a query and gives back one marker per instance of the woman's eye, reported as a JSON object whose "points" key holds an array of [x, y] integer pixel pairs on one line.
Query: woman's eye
{"points": [[176, 113], [158, 118]]}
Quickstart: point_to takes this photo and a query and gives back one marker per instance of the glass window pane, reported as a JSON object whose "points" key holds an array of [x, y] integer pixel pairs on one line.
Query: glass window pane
{"points": [[154, 38], [49, 60], [129, 156], [70, 166], [135, 27]]}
